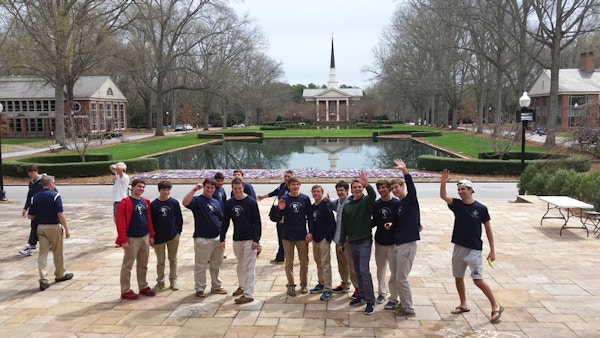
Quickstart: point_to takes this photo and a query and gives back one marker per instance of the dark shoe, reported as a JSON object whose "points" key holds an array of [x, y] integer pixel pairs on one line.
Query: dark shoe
{"points": [[404, 313], [67, 276], [357, 301], [130, 295], [380, 299], [390, 305], [340, 288], [275, 261], [238, 292], [148, 292], [355, 294], [318, 288], [200, 294], [44, 286], [219, 291], [243, 300], [369, 309]]}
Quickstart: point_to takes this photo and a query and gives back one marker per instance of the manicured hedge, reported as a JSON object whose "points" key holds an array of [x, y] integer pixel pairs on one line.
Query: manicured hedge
{"points": [[558, 180], [17, 168], [211, 136], [413, 133], [494, 167], [516, 155]]}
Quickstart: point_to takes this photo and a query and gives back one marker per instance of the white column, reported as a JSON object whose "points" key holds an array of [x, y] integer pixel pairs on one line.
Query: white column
{"points": [[327, 111], [317, 109]]}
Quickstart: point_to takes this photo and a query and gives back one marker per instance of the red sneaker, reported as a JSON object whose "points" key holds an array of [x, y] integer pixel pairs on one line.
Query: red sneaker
{"points": [[148, 292], [355, 294], [130, 295]]}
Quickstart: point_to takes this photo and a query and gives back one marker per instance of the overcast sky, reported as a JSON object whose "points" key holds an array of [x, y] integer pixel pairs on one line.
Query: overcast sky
{"points": [[299, 35]]}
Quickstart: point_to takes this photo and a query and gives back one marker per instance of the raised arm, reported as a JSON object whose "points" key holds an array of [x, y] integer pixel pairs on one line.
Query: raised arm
{"points": [[445, 178], [187, 199]]}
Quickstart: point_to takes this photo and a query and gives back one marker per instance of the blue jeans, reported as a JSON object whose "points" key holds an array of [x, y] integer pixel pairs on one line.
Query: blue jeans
{"points": [[361, 256]]}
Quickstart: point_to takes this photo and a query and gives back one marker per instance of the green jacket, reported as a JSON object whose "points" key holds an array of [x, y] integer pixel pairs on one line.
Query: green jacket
{"points": [[356, 217]]}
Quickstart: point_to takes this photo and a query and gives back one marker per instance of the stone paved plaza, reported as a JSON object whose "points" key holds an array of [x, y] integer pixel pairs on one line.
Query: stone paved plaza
{"points": [[549, 285]]}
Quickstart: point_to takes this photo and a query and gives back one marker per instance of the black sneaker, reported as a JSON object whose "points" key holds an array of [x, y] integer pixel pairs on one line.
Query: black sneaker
{"points": [[369, 309], [44, 286], [357, 301], [67, 276], [339, 289]]}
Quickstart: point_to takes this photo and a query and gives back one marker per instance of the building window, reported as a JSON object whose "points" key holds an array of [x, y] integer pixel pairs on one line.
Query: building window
{"points": [[9, 106], [46, 105], [109, 92]]}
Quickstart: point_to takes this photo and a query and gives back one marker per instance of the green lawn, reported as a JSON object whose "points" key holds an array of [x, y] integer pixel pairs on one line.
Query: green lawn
{"points": [[459, 141], [471, 145], [128, 150]]}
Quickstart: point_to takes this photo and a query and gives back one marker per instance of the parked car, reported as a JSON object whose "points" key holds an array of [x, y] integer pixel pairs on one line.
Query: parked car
{"points": [[184, 127], [239, 125], [589, 136]]}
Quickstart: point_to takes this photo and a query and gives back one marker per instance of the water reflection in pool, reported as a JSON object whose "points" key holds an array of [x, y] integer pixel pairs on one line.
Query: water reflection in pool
{"points": [[313, 153]]}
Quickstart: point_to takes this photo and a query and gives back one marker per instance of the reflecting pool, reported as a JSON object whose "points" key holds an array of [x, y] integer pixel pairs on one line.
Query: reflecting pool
{"points": [[310, 153]]}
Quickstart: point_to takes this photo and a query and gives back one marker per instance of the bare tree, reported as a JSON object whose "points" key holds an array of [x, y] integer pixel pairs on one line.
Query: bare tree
{"points": [[559, 24], [60, 40]]}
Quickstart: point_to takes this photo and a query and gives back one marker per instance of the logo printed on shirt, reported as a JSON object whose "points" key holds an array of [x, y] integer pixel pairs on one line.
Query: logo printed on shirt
{"points": [[475, 214], [296, 207], [315, 215], [164, 210], [385, 213], [212, 208], [140, 208], [237, 210]]}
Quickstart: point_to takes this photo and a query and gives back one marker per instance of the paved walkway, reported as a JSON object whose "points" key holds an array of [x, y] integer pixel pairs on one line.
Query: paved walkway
{"points": [[547, 284]]}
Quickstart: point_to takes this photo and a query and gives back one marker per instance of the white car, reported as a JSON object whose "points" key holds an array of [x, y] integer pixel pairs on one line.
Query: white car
{"points": [[184, 127], [239, 125]]}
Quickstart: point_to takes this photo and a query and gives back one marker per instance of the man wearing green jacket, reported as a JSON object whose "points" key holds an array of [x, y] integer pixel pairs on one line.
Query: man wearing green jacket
{"points": [[356, 230]]}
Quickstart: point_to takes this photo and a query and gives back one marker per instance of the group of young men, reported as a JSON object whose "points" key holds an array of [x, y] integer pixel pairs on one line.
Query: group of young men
{"points": [[346, 221]]}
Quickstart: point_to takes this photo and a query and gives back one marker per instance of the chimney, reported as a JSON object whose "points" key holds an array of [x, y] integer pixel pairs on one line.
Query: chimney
{"points": [[587, 62]]}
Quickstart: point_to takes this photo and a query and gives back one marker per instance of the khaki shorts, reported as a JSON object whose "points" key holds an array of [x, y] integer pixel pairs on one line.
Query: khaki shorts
{"points": [[463, 257]]}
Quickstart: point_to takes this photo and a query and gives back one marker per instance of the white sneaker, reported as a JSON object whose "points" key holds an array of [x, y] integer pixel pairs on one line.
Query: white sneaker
{"points": [[26, 251], [174, 286]]}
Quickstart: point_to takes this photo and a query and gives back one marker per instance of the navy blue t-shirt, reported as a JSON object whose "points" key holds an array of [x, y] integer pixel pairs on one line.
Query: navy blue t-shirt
{"points": [[384, 212], [45, 205], [294, 217], [167, 219], [468, 219], [220, 195], [321, 222], [138, 225], [408, 218], [208, 213], [246, 219]]}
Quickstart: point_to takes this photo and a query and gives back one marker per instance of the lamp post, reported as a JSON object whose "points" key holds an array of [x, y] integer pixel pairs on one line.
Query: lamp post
{"points": [[2, 191], [167, 120], [197, 121], [525, 116]]}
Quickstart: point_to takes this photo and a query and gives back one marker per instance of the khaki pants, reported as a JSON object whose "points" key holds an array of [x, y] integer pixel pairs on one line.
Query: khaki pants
{"points": [[322, 256], [288, 250], [207, 254], [159, 249], [246, 266], [50, 234], [346, 268], [138, 252], [384, 254]]}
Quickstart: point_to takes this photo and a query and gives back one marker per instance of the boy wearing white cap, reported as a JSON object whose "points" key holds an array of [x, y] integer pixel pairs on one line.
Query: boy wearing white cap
{"points": [[121, 185], [466, 236]]}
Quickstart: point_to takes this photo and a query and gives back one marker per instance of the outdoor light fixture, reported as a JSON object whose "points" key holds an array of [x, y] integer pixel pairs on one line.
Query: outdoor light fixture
{"points": [[524, 116], [2, 191]]}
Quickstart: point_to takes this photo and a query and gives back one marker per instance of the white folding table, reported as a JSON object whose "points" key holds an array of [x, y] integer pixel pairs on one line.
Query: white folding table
{"points": [[570, 205]]}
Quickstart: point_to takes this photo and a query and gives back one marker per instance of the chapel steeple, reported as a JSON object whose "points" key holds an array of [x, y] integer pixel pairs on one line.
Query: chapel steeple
{"points": [[332, 83]]}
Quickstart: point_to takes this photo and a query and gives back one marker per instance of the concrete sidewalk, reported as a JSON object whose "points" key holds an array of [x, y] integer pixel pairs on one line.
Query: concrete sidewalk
{"points": [[547, 284]]}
